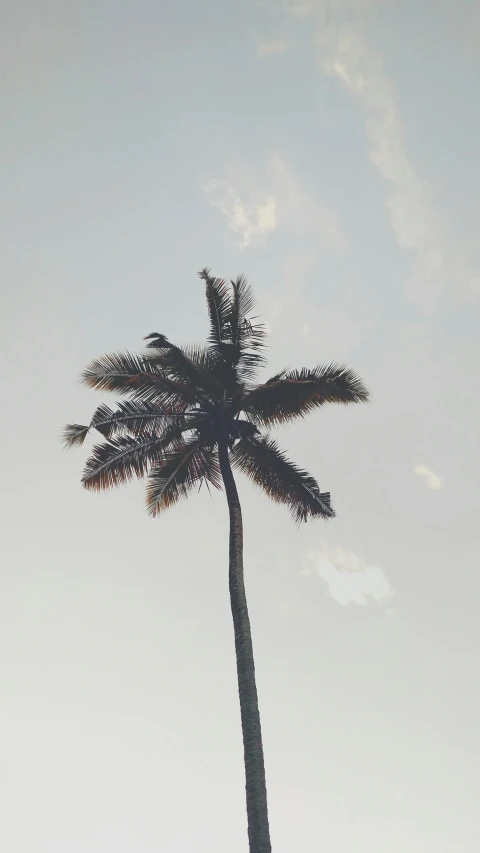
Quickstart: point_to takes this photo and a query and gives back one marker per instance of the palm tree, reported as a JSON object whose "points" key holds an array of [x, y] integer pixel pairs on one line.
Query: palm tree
{"points": [[191, 414]]}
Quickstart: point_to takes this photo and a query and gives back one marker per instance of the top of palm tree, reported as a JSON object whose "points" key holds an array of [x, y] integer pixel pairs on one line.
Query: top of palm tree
{"points": [[183, 403]]}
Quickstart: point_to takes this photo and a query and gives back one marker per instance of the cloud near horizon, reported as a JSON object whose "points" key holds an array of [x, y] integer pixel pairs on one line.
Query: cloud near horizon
{"points": [[349, 579]]}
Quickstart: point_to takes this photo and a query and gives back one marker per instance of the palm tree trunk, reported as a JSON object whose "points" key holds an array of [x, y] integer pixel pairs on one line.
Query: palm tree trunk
{"points": [[257, 812]]}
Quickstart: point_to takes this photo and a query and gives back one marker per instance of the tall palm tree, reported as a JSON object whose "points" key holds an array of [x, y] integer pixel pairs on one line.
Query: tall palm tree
{"points": [[191, 414]]}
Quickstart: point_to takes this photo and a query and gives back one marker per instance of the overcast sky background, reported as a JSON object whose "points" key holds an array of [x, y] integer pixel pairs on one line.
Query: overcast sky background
{"points": [[328, 150]]}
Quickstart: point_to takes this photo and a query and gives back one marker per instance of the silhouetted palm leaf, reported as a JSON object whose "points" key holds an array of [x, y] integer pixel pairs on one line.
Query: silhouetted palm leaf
{"points": [[193, 365], [248, 337], [266, 465], [121, 459], [292, 394], [138, 377], [219, 303], [243, 302], [135, 418], [74, 435], [178, 472]]}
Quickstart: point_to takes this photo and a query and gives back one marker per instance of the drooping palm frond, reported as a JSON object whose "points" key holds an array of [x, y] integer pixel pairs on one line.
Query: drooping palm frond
{"points": [[179, 470], [123, 457], [266, 465], [219, 303], [74, 435], [139, 378], [136, 418], [292, 394]]}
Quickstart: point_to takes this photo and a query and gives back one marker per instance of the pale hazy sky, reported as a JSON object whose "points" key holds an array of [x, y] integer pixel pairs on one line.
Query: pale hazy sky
{"points": [[328, 150]]}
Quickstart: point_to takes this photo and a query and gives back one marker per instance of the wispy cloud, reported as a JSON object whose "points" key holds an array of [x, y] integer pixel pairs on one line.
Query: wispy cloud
{"points": [[274, 202], [268, 48], [249, 221], [418, 226], [349, 579], [432, 480]]}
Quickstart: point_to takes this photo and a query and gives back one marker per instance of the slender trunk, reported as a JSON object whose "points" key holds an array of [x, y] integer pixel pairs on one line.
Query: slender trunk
{"points": [[257, 813]]}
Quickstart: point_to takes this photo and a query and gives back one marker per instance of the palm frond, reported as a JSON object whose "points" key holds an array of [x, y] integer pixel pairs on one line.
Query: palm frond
{"points": [[179, 470], [219, 303], [248, 336], [266, 465], [292, 394], [252, 357], [74, 435], [133, 417], [139, 378], [243, 302], [121, 459], [234, 337], [193, 365], [124, 457]]}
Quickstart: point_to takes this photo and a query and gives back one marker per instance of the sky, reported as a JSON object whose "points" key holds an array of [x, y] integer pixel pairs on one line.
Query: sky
{"points": [[327, 149]]}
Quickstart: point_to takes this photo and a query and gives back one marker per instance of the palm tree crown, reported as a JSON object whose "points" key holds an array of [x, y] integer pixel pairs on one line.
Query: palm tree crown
{"points": [[183, 402]]}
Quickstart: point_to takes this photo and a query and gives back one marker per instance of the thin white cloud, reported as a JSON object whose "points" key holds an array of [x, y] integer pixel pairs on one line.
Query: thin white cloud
{"points": [[349, 579], [419, 228], [249, 222], [276, 202], [416, 225], [268, 48], [432, 480]]}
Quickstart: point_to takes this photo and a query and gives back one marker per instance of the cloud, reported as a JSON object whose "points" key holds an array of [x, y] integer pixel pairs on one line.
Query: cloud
{"points": [[274, 203], [248, 221], [432, 480], [349, 579], [419, 228], [268, 48]]}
